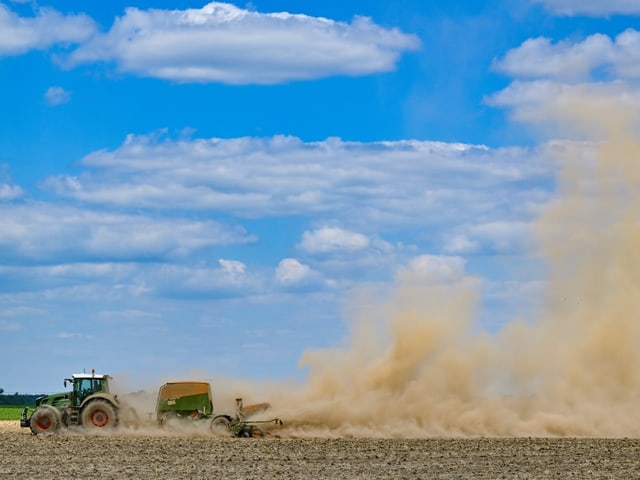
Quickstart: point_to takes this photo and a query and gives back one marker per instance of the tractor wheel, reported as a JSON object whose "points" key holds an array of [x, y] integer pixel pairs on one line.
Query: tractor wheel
{"points": [[99, 414], [220, 423], [167, 417], [250, 431], [46, 419]]}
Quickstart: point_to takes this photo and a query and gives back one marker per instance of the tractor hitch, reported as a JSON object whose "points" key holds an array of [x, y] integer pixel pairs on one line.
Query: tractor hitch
{"points": [[24, 418]]}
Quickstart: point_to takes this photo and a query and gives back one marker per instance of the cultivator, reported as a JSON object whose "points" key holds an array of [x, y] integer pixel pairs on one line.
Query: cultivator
{"points": [[240, 425], [193, 401]]}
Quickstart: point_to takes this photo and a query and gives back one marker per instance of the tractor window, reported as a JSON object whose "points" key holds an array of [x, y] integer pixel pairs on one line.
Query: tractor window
{"points": [[83, 385], [86, 386]]}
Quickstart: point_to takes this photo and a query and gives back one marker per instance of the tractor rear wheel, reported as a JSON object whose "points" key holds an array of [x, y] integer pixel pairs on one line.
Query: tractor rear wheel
{"points": [[99, 414], [167, 417], [46, 419]]}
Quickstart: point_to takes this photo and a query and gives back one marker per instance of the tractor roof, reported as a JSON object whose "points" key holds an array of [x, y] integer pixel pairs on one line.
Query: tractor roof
{"points": [[89, 375]]}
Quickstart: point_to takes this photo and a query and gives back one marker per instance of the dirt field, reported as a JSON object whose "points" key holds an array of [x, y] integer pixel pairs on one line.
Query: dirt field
{"points": [[143, 456]]}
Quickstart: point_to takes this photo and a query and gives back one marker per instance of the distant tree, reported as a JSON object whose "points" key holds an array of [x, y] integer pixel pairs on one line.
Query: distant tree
{"points": [[1, 391]]}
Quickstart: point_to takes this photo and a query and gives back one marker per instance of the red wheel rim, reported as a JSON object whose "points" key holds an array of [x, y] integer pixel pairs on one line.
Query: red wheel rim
{"points": [[99, 418], [43, 423]]}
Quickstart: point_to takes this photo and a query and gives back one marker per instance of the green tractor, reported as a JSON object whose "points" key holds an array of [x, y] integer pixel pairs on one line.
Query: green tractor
{"points": [[193, 401], [88, 404]]}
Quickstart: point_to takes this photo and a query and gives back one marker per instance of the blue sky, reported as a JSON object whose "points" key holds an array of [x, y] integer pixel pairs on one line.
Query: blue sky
{"points": [[213, 186]]}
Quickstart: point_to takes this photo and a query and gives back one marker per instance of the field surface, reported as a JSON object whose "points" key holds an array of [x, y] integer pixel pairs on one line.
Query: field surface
{"points": [[162, 456]]}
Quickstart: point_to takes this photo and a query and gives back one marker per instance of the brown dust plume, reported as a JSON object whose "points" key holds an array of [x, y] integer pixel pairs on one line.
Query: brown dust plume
{"points": [[417, 365]]}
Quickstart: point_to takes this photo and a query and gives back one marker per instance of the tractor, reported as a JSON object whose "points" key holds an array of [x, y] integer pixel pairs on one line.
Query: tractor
{"points": [[193, 401], [89, 404]]}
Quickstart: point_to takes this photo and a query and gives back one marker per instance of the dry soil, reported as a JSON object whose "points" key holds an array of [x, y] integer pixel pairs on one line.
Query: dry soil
{"points": [[75, 455]]}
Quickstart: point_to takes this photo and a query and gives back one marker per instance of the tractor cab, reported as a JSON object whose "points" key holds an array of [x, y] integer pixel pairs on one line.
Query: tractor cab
{"points": [[85, 384]]}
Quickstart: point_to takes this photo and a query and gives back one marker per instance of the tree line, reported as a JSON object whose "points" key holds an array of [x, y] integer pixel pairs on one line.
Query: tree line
{"points": [[18, 399]]}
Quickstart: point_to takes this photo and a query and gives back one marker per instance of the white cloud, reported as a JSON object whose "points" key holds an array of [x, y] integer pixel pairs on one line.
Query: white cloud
{"points": [[498, 236], [230, 279], [560, 86], [74, 336], [57, 96], [232, 267], [557, 108], [61, 273], [329, 239], [222, 43], [461, 244], [44, 284], [10, 192], [132, 203], [597, 54], [41, 232], [132, 281], [538, 57], [49, 27], [596, 8], [406, 184], [432, 270], [626, 55], [290, 272]]}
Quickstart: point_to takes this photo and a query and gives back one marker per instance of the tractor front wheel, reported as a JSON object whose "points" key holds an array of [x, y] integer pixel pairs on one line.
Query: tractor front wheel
{"points": [[99, 414], [46, 419]]}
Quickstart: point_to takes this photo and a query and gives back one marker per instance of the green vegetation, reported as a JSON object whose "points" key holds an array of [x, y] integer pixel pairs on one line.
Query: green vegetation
{"points": [[10, 413], [11, 406], [18, 399]]}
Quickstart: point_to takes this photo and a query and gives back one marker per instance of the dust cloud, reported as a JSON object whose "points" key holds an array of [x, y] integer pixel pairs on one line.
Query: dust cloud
{"points": [[418, 365]]}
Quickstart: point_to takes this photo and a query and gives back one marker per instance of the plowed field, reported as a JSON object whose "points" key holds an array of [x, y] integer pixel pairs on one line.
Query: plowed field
{"points": [[163, 456]]}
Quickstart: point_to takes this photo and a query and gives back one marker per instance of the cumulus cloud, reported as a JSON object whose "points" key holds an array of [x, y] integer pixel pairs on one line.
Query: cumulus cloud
{"points": [[432, 270], [135, 280], [118, 229], [596, 55], [230, 278], [290, 272], [57, 96], [549, 104], [596, 8], [10, 191], [46, 232], [232, 267], [406, 184], [223, 43], [538, 57], [499, 237], [328, 239], [47, 28], [551, 78]]}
